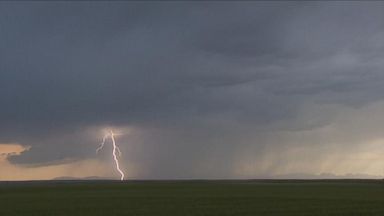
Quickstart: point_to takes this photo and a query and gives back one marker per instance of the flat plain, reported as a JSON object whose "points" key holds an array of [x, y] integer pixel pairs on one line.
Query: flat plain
{"points": [[187, 198]]}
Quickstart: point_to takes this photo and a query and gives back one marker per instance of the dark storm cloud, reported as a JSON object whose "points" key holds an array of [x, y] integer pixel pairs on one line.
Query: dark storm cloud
{"points": [[202, 81]]}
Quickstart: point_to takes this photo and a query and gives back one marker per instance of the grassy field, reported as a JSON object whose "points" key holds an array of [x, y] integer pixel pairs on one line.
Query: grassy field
{"points": [[168, 198]]}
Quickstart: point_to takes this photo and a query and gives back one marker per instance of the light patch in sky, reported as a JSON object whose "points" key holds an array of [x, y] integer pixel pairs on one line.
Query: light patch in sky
{"points": [[74, 169], [7, 150]]}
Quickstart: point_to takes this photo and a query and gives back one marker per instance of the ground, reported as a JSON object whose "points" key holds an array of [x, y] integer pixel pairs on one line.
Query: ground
{"points": [[184, 198]]}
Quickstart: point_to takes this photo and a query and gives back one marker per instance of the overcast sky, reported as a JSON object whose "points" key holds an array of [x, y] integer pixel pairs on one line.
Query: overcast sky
{"points": [[194, 89]]}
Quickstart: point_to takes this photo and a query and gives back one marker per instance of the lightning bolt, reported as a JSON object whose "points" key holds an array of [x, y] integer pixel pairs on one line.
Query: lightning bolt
{"points": [[115, 151]]}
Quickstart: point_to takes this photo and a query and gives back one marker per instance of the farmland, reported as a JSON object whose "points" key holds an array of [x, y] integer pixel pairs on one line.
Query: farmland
{"points": [[221, 198]]}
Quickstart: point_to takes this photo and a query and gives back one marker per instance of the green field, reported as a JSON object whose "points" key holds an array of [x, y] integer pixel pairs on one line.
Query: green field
{"points": [[99, 198]]}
